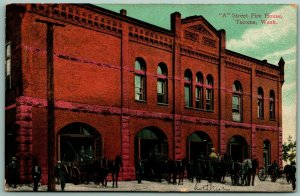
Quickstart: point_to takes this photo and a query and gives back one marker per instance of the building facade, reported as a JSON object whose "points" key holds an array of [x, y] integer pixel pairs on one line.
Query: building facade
{"points": [[126, 87]]}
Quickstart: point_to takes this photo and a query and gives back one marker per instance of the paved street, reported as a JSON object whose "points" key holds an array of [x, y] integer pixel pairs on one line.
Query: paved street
{"points": [[267, 186]]}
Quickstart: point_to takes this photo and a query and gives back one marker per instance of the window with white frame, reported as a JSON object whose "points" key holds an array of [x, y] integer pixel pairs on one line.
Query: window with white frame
{"points": [[8, 66], [140, 79], [162, 84], [237, 93], [199, 90]]}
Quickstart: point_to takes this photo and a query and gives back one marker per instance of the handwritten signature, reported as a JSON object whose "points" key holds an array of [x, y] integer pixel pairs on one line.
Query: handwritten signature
{"points": [[209, 187]]}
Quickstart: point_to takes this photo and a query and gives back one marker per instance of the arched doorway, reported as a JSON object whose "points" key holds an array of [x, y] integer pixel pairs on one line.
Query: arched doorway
{"points": [[238, 148], [78, 139], [151, 141], [267, 152], [198, 144]]}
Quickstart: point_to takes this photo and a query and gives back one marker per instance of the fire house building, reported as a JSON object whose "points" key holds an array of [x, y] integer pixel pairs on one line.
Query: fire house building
{"points": [[130, 88]]}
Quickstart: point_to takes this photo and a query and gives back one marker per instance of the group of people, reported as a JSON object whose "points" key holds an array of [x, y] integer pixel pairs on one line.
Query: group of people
{"points": [[12, 177]]}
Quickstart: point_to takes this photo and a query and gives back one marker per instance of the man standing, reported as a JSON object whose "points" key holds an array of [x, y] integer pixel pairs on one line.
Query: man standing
{"points": [[36, 175], [13, 172], [61, 174]]}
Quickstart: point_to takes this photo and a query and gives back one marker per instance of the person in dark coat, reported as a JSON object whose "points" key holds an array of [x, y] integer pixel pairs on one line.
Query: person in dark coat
{"points": [[60, 173], [139, 171], [292, 174], [13, 172], [36, 175]]}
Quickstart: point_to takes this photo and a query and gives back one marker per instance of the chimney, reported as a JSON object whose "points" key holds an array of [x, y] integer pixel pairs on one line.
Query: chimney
{"points": [[281, 69], [265, 61], [123, 12]]}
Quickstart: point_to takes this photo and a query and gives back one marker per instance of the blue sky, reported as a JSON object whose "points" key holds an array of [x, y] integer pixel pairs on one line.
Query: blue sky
{"points": [[261, 41]]}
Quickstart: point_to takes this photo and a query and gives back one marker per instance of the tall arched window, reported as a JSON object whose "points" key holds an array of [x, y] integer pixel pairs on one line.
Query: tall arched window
{"points": [[8, 66], [237, 94], [199, 90], [188, 88], [209, 93], [140, 79], [272, 105], [162, 84], [260, 103]]}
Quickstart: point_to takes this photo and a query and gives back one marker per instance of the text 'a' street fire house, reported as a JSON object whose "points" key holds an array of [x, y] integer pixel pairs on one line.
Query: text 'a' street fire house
{"points": [[126, 87]]}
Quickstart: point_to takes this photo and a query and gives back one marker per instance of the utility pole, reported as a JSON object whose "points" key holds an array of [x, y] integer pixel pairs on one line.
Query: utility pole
{"points": [[50, 101]]}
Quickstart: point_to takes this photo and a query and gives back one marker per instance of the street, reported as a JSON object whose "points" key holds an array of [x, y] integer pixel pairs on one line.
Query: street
{"points": [[260, 186]]}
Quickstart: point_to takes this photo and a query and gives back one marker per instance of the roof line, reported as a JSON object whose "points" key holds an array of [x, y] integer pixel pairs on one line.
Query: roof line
{"points": [[252, 59], [125, 18]]}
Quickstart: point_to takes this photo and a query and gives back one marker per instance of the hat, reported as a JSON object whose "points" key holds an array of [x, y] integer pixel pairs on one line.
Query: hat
{"points": [[13, 158], [59, 161]]}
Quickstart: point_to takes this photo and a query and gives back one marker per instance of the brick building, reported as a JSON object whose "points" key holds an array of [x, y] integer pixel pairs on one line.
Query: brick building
{"points": [[123, 86]]}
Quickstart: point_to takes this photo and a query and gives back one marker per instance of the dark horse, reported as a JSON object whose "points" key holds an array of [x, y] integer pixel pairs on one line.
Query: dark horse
{"points": [[114, 168], [253, 170]]}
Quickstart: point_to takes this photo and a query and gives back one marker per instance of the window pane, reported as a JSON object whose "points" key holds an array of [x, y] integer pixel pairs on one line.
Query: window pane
{"points": [[8, 50], [137, 65], [138, 82], [159, 70], [187, 96], [160, 87], [8, 67]]}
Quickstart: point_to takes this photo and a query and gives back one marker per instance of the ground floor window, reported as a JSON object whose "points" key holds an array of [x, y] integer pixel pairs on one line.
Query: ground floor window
{"points": [[151, 142], [238, 148], [198, 145], [79, 142]]}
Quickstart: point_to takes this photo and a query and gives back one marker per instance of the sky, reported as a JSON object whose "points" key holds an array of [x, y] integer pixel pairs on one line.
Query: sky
{"points": [[258, 40]]}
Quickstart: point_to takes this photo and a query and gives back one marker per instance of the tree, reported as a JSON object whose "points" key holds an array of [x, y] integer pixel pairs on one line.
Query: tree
{"points": [[289, 151]]}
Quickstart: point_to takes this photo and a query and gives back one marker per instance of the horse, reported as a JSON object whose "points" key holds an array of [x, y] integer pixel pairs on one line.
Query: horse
{"points": [[235, 172], [290, 172], [246, 172], [114, 168], [180, 169], [254, 169]]}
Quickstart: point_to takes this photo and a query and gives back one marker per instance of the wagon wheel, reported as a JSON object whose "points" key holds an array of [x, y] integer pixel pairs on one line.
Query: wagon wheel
{"points": [[262, 174], [65, 170], [75, 176]]}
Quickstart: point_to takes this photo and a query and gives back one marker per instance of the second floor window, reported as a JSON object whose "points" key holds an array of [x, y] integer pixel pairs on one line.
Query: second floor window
{"points": [[237, 101], [8, 66], [199, 91], [140, 79], [260, 103], [209, 93], [272, 105], [162, 85], [188, 88]]}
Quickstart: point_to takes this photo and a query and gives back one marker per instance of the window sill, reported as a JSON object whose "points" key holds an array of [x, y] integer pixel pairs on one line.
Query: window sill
{"points": [[162, 104], [140, 101], [272, 119], [259, 118], [197, 109]]}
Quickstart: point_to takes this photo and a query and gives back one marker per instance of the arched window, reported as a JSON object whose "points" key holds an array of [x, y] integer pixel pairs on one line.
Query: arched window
{"points": [[209, 93], [8, 66], [188, 88], [267, 152], [260, 103], [272, 105], [237, 94], [199, 90], [140, 79], [162, 83]]}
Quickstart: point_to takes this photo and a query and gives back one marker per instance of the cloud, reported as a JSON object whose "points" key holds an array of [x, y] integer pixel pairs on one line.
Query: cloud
{"points": [[288, 87], [283, 53], [257, 37], [289, 121]]}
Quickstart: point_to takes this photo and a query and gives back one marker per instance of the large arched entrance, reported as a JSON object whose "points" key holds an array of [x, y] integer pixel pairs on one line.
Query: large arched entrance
{"points": [[78, 140], [267, 152], [238, 148], [198, 144], [151, 141]]}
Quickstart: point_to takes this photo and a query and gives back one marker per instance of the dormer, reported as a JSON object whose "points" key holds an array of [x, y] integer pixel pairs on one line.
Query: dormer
{"points": [[196, 32]]}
